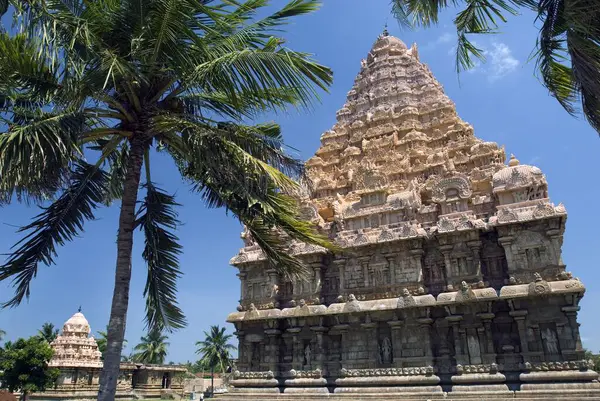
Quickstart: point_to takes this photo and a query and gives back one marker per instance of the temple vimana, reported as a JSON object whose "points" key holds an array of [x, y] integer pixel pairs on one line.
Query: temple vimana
{"points": [[450, 282], [79, 362]]}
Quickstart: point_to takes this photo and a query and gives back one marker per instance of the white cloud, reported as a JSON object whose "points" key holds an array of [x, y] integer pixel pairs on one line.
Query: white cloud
{"points": [[446, 37], [501, 61]]}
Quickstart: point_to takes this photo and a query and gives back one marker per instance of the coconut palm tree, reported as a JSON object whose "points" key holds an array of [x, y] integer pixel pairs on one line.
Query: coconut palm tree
{"points": [[48, 332], [2, 334], [568, 46], [215, 351], [92, 90], [152, 349]]}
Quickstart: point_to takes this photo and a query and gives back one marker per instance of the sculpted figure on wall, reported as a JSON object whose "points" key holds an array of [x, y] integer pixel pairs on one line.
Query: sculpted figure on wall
{"points": [[550, 341], [386, 351], [474, 349], [307, 355]]}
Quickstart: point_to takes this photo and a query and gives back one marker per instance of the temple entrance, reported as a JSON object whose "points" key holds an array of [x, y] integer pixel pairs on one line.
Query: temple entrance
{"points": [[166, 381]]}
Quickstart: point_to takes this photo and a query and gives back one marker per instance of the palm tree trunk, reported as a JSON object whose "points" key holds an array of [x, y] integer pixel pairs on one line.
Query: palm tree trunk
{"points": [[120, 301], [212, 381]]}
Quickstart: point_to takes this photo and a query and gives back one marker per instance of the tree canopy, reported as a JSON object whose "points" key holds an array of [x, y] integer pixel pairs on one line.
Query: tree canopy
{"points": [[91, 91], [567, 51], [152, 349], [24, 366], [48, 332], [215, 349]]}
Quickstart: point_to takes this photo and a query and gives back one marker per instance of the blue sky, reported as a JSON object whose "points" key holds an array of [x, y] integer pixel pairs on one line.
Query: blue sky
{"points": [[502, 99]]}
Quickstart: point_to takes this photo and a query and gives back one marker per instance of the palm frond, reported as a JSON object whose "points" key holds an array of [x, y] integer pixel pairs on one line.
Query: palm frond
{"points": [[24, 74], [57, 224], [35, 153], [157, 218], [413, 13], [248, 70]]}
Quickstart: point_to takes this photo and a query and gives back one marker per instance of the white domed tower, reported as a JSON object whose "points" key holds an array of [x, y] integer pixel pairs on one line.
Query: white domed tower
{"points": [[74, 347]]}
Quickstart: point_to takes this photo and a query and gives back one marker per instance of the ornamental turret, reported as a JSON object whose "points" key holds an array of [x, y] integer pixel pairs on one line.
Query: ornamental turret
{"points": [[74, 347]]}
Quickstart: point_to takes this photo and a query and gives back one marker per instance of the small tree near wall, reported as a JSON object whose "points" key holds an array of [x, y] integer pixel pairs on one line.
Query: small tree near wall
{"points": [[24, 366]]}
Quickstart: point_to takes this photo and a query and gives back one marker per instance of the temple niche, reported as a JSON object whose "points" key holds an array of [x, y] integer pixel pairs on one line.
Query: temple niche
{"points": [[451, 278]]}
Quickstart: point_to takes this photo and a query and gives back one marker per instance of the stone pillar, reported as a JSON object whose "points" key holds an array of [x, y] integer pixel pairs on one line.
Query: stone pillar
{"points": [[556, 240], [243, 288], [320, 348], [425, 324], [571, 313], [364, 264], [342, 279], [519, 316], [298, 349], [475, 247], [396, 328], [486, 318], [391, 262], [272, 349], [372, 345], [317, 283], [446, 249], [241, 348], [506, 243], [342, 329], [537, 337], [269, 293], [416, 256], [454, 322]]}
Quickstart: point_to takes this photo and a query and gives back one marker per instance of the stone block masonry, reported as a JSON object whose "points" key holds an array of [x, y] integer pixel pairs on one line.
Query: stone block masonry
{"points": [[451, 282]]}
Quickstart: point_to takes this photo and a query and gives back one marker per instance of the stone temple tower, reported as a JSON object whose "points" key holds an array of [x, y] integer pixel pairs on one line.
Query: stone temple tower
{"points": [[451, 278]]}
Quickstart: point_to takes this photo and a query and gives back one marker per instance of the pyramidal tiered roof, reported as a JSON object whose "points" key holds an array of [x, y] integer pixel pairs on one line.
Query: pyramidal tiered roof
{"points": [[74, 347], [400, 163], [397, 125]]}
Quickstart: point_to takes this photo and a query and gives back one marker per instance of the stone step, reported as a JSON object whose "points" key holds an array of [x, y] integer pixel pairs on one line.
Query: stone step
{"points": [[565, 395]]}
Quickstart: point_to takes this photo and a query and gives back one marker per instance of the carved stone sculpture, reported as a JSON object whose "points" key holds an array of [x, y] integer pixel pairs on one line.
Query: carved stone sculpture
{"points": [[449, 277]]}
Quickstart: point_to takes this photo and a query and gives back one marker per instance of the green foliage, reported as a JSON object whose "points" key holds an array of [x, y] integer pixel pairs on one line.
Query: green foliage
{"points": [[595, 358], [2, 334], [152, 349], [568, 46], [121, 80], [24, 365], [48, 332], [158, 219], [215, 350], [90, 91]]}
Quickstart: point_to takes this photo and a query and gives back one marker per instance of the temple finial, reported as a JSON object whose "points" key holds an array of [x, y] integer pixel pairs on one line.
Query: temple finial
{"points": [[385, 29], [79, 310]]}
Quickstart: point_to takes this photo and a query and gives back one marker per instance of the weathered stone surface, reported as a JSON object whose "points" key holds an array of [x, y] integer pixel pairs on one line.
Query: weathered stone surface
{"points": [[77, 357], [451, 279]]}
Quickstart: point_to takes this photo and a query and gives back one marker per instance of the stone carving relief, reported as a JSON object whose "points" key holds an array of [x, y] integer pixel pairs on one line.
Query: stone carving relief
{"points": [[385, 351], [452, 194], [440, 242], [379, 271], [534, 251], [474, 350], [354, 275], [550, 340], [434, 269], [307, 355]]}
